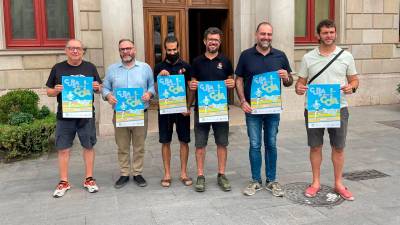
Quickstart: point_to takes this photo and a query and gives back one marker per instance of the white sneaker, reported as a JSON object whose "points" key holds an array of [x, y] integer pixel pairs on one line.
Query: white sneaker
{"points": [[61, 188], [252, 188], [90, 185]]}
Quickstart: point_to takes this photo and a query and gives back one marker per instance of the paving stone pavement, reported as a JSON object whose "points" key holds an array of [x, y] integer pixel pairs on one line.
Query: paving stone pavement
{"points": [[26, 187]]}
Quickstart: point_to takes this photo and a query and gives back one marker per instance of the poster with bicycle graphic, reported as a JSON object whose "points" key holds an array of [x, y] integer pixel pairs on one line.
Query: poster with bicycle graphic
{"points": [[323, 104], [77, 96], [213, 102], [172, 94], [266, 93], [129, 110]]}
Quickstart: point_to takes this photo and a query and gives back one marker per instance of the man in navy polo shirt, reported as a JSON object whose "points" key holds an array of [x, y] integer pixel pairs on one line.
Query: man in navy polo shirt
{"points": [[257, 60], [173, 65], [211, 66]]}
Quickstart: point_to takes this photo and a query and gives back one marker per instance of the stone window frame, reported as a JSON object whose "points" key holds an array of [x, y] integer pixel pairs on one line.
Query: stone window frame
{"points": [[40, 50]]}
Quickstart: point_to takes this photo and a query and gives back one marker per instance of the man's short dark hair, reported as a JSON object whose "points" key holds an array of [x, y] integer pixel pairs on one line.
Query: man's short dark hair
{"points": [[126, 39], [325, 23], [263, 23], [171, 39], [212, 30]]}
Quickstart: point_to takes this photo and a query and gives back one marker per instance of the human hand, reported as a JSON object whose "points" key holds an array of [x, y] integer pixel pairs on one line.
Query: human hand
{"points": [[230, 83], [164, 73], [146, 96], [193, 85], [301, 89]]}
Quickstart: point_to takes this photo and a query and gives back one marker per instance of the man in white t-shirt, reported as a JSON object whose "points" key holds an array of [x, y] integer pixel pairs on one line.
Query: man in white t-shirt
{"points": [[342, 71]]}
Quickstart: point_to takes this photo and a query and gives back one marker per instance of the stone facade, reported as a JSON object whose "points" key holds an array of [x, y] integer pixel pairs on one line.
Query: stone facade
{"points": [[372, 35], [369, 29], [30, 69]]}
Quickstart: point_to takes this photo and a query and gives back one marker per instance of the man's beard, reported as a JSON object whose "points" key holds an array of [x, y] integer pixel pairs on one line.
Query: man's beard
{"points": [[212, 50], [264, 44], [127, 59], [325, 42], [172, 58]]}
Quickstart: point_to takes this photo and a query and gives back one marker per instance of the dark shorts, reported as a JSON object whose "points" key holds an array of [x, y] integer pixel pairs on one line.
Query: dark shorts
{"points": [[166, 127], [201, 131], [337, 136], [66, 130]]}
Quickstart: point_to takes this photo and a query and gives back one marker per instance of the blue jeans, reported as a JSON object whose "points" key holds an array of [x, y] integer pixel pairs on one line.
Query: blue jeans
{"points": [[269, 123]]}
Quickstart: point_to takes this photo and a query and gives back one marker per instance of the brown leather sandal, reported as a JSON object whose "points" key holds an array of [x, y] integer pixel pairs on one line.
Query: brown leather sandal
{"points": [[166, 183], [187, 181]]}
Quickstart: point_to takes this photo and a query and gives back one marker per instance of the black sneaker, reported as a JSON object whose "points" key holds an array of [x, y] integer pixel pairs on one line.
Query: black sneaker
{"points": [[200, 185], [140, 181], [122, 181]]}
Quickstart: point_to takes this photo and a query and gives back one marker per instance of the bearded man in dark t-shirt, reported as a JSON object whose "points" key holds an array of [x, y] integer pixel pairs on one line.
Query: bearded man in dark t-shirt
{"points": [[173, 64]]}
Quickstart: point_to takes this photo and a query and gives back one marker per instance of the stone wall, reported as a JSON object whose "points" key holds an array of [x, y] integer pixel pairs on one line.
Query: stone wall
{"points": [[371, 34]]}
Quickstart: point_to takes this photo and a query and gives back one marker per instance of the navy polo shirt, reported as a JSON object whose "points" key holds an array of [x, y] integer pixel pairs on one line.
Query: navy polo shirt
{"points": [[251, 62], [205, 69], [180, 67]]}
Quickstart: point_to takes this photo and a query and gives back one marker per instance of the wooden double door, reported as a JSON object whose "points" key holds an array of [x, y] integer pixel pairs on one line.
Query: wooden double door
{"points": [[186, 20]]}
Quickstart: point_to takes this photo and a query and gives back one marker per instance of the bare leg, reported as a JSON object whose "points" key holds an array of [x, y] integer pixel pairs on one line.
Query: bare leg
{"points": [[166, 156], [88, 157], [63, 159], [222, 153], [316, 160], [338, 162], [200, 156], [184, 154]]}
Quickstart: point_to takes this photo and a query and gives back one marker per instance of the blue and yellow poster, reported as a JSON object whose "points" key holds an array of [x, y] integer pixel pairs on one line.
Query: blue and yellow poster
{"points": [[266, 93], [172, 94], [323, 104], [129, 110], [213, 102], [77, 96]]}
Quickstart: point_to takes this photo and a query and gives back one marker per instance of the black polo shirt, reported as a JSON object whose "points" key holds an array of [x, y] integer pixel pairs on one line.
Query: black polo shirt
{"points": [[180, 67], [251, 62], [216, 69]]}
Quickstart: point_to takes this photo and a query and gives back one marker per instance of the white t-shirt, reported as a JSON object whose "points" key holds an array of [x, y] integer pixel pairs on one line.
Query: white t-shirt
{"points": [[336, 73]]}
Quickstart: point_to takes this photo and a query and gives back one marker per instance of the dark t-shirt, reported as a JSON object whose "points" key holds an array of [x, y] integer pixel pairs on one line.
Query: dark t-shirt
{"points": [[251, 62], [181, 67], [86, 69], [216, 69]]}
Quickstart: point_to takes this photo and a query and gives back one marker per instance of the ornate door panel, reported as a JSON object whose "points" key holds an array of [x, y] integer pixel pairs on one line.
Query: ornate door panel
{"points": [[158, 25]]}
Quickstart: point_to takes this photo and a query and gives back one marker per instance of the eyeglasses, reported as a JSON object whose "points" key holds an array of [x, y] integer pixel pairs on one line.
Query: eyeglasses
{"points": [[125, 49], [74, 49], [213, 40]]}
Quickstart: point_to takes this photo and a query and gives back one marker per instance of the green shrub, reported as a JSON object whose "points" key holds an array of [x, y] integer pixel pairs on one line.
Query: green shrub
{"points": [[26, 140], [24, 129], [43, 112], [18, 118], [25, 101]]}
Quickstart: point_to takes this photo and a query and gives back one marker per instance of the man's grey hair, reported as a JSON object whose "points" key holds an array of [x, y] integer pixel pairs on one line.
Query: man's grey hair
{"points": [[73, 39]]}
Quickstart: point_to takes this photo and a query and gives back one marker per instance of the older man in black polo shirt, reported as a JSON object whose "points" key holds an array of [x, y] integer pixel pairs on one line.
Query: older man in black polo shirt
{"points": [[211, 66], [257, 60], [171, 65]]}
